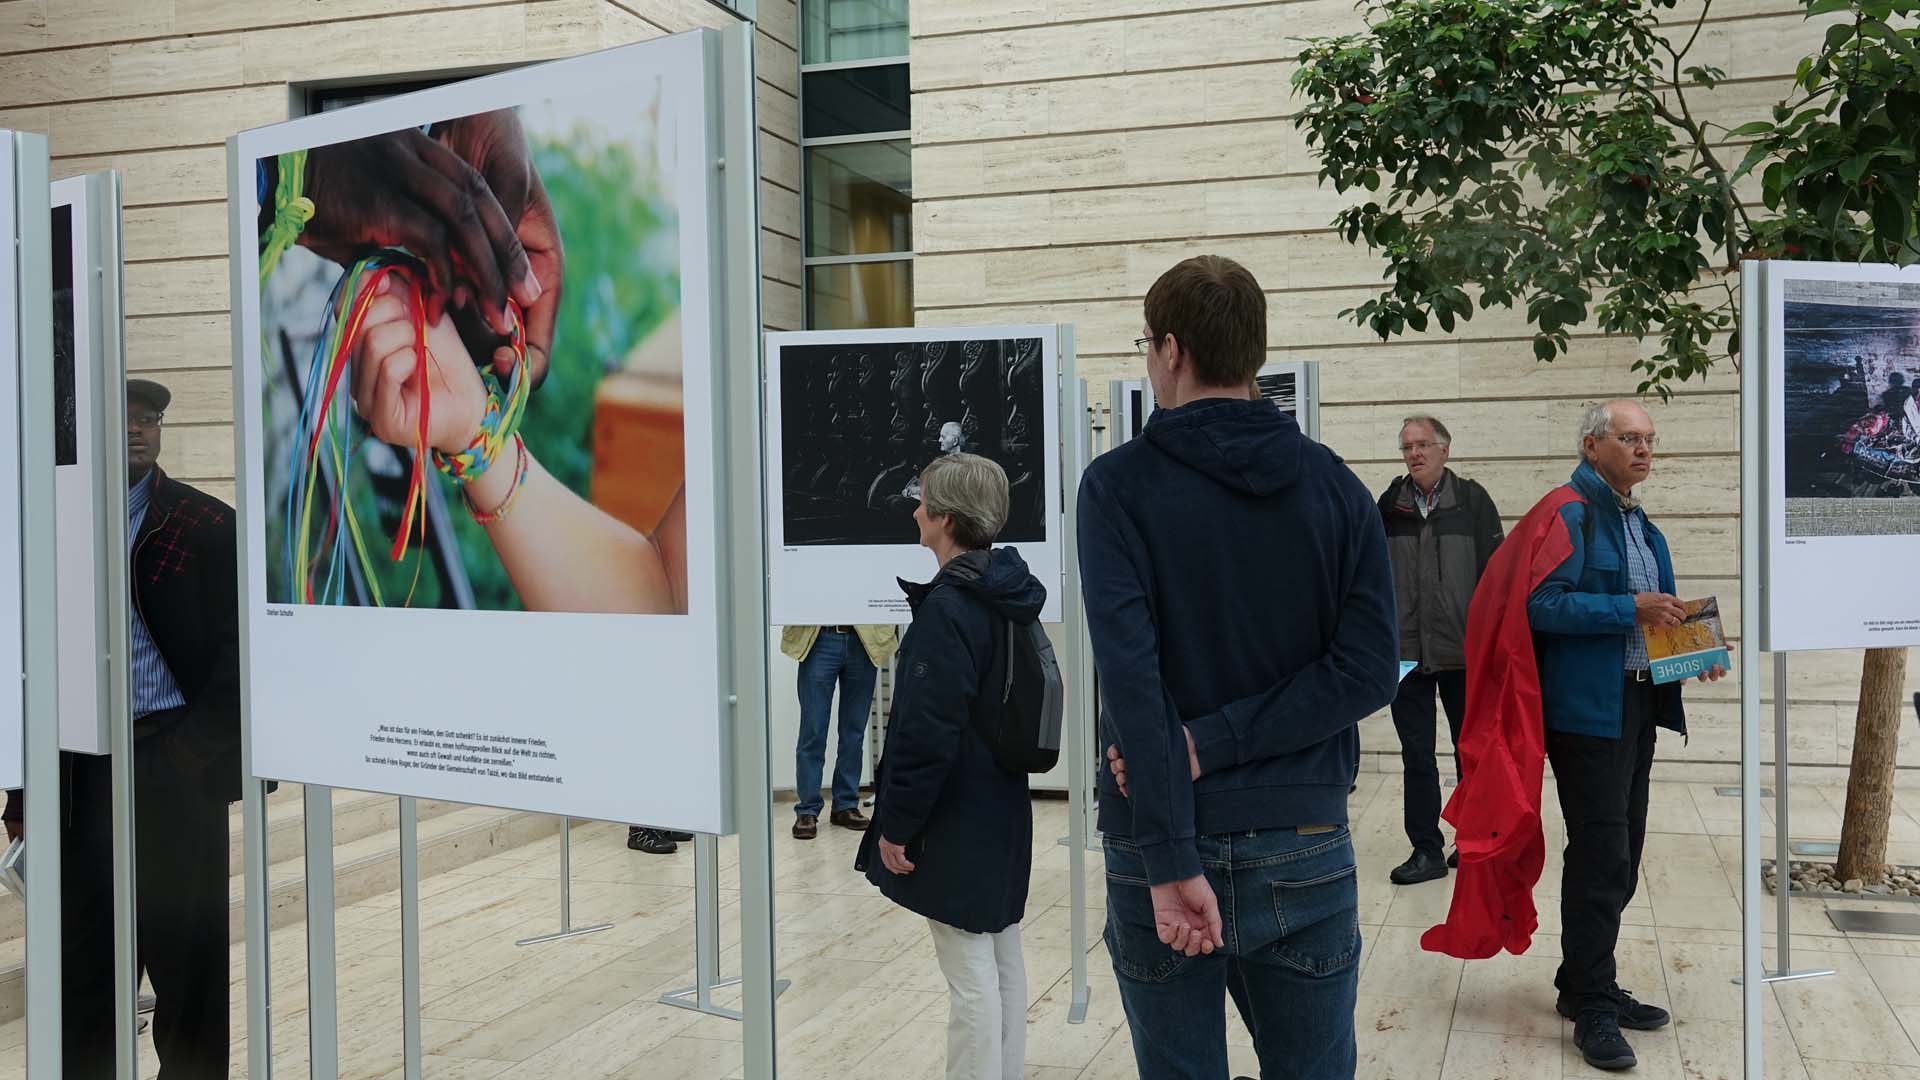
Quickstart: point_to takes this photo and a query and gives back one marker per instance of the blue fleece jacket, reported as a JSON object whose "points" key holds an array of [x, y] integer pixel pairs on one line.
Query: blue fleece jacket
{"points": [[1582, 612], [1237, 585]]}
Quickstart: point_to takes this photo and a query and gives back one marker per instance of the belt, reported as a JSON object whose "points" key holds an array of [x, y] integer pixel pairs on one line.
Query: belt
{"points": [[838, 629], [1641, 675]]}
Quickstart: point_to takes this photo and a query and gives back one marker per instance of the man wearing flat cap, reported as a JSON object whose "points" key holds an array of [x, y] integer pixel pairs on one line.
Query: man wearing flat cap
{"points": [[184, 687]]}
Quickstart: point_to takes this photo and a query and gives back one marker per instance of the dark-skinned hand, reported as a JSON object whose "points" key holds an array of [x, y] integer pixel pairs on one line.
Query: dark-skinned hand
{"points": [[495, 144], [405, 190]]}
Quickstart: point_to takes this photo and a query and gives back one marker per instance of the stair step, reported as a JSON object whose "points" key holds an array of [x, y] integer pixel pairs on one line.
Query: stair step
{"points": [[364, 867]]}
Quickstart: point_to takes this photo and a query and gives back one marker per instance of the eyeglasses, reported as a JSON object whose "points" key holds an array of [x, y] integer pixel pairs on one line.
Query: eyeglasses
{"points": [[1634, 440], [145, 419], [1140, 345], [1423, 446]]}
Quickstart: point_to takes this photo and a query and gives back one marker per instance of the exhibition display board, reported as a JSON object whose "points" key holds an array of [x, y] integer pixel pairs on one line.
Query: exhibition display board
{"points": [[1294, 388], [1129, 403], [89, 456], [853, 416], [466, 577], [1840, 348]]}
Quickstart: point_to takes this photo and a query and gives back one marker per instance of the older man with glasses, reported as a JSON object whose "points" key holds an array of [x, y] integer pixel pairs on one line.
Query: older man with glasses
{"points": [[1441, 530], [1558, 655]]}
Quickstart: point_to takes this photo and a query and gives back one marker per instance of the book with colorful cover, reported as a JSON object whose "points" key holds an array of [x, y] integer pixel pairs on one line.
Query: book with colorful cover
{"points": [[1693, 648]]}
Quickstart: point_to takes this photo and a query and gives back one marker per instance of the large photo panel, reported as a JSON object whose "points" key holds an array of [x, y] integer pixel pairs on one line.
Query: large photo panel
{"points": [[853, 417], [1843, 455], [477, 450], [84, 360]]}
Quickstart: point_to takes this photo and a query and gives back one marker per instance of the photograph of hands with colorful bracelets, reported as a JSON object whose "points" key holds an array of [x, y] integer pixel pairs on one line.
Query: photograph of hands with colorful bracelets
{"points": [[471, 360]]}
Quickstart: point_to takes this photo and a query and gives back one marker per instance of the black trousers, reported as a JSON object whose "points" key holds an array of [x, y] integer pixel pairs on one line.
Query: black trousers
{"points": [[180, 851], [1413, 718], [1603, 795]]}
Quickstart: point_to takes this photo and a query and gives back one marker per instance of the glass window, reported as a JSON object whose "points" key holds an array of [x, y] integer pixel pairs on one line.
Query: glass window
{"points": [[850, 296], [840, 30], [855, 101], [859, 198]]}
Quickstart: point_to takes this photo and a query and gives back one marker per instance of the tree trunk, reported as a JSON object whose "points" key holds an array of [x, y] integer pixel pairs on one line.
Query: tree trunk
{"points": [[1876, 737]]}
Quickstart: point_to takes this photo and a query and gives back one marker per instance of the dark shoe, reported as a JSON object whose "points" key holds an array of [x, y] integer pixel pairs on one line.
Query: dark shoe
{"points": [[1422, 866], [1453, 859], [651, 841], [806, 827], [1597, 1034], [1632, 1013], [850, 818], [682, 837]]}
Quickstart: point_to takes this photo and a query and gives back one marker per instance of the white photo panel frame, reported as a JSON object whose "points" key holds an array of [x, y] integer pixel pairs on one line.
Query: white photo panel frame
{"points": [[90, 462], [844, 583], [1841, 502], [633, 709]]}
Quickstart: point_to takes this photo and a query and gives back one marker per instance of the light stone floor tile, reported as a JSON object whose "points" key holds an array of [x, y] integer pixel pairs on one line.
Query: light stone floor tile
{"points": [[1401, 1038], [1474, 1055], [1872, 1033]]}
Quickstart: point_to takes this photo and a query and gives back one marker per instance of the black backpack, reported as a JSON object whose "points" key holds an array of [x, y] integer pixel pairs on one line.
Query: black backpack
{"points": [[1020, 716]]}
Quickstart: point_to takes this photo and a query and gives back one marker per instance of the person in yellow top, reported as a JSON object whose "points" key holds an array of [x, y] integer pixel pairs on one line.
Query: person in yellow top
{"points": [[849, 656]]}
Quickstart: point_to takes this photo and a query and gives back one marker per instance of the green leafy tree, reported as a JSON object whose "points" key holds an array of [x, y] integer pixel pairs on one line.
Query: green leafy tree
{"points": [[1553, 156]]}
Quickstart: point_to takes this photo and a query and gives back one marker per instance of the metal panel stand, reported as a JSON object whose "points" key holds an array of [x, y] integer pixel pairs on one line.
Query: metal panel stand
{"points": [[706, 938], [1752, 528], [323, 1021], [567, 929], [410, 937], [1782, 867], [28, 252], [1079, 738]]}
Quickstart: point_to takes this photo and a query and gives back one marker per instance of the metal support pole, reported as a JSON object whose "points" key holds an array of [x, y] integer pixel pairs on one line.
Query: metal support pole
{"points": [[1782, 866], [323, 1005], [706, 938], [1753, 388], [28, 278], [410, 937], [736, 232], [567, 929], [1080, 661], [253, 791]]}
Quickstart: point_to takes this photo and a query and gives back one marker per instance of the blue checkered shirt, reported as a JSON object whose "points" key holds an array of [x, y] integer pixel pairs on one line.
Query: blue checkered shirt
{"points": [[151, 684], [1643, 575]]}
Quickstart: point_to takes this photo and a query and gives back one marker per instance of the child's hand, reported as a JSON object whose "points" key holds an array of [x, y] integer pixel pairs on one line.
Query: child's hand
{"points": [[384, 390]]}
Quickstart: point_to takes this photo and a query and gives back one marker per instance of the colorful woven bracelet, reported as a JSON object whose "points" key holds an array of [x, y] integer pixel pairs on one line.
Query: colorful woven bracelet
{"points": [[500, 512]]}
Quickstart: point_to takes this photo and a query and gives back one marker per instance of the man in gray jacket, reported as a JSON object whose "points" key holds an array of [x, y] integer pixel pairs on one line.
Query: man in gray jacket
{"points": [[1441, 529]]}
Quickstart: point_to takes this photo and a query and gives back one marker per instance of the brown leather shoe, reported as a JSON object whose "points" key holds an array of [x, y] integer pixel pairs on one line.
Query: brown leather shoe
{"points": [[806, 827], [850, 818]]}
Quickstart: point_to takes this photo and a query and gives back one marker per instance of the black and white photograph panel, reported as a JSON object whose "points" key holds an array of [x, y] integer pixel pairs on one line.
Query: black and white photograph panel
{"points": [[859, 422], [1280, 384], [1851, 353], [66, 406]]}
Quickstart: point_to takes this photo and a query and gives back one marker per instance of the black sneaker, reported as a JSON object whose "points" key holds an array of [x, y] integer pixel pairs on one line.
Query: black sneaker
{"points": [[1597, 1034], [1424, 865], [683, 837], [1453, 859], [1632, 1013], [651, 841]]}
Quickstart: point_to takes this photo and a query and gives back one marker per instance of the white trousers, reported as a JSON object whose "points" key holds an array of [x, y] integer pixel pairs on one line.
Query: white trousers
{"points": [[986, 1002]]}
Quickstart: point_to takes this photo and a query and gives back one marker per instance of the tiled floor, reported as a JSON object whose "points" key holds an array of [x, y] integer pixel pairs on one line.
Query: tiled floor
{"points": [[867, 1001]]}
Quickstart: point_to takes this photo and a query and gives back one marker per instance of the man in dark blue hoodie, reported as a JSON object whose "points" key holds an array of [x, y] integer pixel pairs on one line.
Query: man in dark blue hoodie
{"points": [[1241, 608]]}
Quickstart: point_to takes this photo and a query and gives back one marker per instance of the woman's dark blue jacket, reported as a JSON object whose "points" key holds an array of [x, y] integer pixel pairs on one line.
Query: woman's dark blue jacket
{"points": [[967, 823]]}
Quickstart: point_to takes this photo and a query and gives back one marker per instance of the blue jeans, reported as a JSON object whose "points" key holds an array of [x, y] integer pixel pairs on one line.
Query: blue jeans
{"points": [[1290, 908], [836, 658]]}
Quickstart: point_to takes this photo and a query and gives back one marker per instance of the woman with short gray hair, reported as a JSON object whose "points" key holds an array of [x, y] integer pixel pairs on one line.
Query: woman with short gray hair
{"points": [[952, 834]]}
